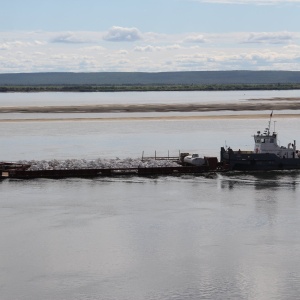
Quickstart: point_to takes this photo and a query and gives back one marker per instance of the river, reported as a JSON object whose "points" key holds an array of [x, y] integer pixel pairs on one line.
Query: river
{"points": [[227, 236]]}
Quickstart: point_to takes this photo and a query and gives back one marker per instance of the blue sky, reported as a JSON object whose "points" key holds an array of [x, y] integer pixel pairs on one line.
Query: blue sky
{"points": [[149, 36]]}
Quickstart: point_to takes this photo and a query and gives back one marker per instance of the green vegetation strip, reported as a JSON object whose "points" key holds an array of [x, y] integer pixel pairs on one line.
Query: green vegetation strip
{"points": [[146, 88]]}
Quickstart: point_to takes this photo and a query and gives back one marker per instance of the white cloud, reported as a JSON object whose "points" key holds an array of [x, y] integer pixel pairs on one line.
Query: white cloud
{"points": [[123, 52], [195, 39], [15, 44], [236, 50], [292, 48], [270, 37], [123, 34], [230, 59], [38, 43], [39, 53], [68, 38], [4, 46], [150, 48], [147, 48], [173, 47], [93, 49]]}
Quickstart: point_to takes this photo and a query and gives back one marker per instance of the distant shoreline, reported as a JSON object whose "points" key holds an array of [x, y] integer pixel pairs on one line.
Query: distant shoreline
{"points": [[258, 107], [146, 88], [150, 81], [160, 118], [267, 104]]}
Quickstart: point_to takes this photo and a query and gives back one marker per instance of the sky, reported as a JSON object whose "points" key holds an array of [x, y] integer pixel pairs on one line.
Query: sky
{"points": [[148, 35]]}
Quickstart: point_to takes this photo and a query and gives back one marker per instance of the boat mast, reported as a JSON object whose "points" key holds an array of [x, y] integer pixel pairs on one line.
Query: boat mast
{"points": [[270, 122]]}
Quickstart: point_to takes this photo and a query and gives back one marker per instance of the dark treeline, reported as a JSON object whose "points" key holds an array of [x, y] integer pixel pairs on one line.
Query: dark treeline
{"points": [[145, 88], [142, 78], [141, 81]]}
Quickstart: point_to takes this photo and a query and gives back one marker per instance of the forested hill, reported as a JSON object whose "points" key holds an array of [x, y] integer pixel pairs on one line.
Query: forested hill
{"points": [[141, 78]]}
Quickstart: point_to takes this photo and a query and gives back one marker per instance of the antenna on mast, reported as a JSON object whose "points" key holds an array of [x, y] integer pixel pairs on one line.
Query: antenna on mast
{"points": [[270, 122]]}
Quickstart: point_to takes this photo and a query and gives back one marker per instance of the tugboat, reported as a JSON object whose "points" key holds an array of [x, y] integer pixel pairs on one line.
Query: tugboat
{"points": [[267, 154]]}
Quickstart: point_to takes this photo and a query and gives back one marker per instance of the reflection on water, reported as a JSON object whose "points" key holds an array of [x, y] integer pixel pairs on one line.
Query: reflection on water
{"points": [[269, 190], [261, 180], [186, 237]]}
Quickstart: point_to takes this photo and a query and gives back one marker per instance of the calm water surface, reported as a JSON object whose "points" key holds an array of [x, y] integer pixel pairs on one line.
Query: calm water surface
{"points": [[52, 98], [229, 236]]}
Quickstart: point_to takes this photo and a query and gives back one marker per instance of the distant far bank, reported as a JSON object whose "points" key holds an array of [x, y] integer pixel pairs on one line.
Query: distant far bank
{"points": [[140, 81], [148, 88]]}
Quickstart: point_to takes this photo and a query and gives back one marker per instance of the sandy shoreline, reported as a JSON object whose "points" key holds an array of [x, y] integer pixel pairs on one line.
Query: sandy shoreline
{"points": [[160, 118], [212, 111], [177, 107]]}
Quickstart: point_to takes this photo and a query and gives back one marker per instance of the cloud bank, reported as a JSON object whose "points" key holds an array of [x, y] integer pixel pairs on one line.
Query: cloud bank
{"points": [[270, 37], [68, 38], [195, 39], [147, 52], [122, 34]]}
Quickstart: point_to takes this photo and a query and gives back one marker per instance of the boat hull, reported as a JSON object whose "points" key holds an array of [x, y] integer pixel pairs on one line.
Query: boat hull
{"points": [[240, 161]]}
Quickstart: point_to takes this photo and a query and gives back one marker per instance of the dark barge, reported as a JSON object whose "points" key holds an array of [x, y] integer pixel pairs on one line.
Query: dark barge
{"points": [[11, 170], [267, 155]]}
